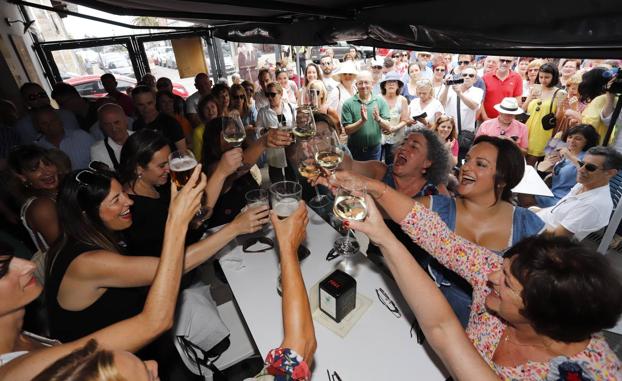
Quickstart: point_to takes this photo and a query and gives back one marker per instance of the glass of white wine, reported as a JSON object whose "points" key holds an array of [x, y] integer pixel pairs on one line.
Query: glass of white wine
{"points": [[309, 168], [304, 127], [233, 130], [350, 205], [310, 98], [328, 152]]}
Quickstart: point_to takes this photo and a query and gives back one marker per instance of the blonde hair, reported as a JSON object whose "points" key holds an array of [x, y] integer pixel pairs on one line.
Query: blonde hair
{"points": [[319, 86], [424, 84], [446, 118], [277, 86], [535, 64], [575, 79], [88, 363]]}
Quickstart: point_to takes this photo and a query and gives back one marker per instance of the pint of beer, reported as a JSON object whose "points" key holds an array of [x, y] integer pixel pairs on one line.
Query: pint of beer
{"points": [[181, 164]]}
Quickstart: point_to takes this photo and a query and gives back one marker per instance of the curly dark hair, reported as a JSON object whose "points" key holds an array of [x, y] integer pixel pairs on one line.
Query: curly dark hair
{"points": [[592, 84], [569, 291], [438, 172]]}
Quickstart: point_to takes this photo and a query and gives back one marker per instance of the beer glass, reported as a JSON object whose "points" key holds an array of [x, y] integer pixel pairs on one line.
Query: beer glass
{"points": [[285, 196], [181, 165]]}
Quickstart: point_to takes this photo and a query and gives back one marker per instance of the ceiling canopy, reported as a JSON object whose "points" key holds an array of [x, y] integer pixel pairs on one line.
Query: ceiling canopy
{"points": [[531, 28]]}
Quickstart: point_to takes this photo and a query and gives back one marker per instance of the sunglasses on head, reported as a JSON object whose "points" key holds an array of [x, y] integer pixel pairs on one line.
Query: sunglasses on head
{"points": [[588, 166], [505, 61], [271, 95], [5, 260], [464, 75], [41, 95], [85, 177], [464, 62]]}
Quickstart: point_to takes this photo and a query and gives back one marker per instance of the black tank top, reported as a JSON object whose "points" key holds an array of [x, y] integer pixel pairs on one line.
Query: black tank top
{"points": [[114, 305]]}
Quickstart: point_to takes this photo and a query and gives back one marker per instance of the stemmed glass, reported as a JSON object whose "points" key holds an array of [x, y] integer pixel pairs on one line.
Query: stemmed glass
{"points": [[310, 98], [328, 153], [182, 164], [308, 168], [350, 205], [233, 130], [305, 123]]}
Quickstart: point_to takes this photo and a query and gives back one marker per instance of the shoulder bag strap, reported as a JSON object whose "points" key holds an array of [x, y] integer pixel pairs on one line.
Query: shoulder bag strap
{"points": [[113, 158], [458, 114], [553, 100]]}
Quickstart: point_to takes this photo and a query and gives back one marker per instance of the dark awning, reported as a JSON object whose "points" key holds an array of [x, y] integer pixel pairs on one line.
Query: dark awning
{"points": [[533, 28]]}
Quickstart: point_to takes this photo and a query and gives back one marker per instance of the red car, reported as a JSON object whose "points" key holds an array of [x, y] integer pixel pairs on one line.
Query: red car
{"points": [[91, 86]]}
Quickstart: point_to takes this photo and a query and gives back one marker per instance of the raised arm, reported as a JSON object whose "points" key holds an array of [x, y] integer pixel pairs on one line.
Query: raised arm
{"points": [[157, 315], [435, 317], [299, 333]]}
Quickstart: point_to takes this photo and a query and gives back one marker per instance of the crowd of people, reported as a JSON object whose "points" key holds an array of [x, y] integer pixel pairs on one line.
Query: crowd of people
{"points": [[97, 241]]}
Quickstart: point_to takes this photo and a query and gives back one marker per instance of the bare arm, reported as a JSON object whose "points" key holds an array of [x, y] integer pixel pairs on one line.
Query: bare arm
{"points": [[157, 315], [181, 145], [299, 333], [434, 315]]}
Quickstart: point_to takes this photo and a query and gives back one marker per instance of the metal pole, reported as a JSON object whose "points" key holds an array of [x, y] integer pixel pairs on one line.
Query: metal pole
{"points": [[297, 66]]}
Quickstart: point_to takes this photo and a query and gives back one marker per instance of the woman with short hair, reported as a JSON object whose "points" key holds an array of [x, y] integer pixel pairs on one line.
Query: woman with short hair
{"points": [[425, 103], [390, 89]]}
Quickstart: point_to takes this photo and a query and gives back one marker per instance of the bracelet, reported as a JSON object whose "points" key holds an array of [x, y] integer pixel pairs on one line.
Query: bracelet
{"points": [[383, 191]]}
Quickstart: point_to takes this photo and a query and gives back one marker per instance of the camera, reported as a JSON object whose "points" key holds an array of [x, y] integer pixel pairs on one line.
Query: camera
{"points": [[616, 86], [450, 82]]}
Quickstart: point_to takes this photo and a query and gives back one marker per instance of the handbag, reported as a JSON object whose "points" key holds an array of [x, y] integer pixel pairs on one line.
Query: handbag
{"points": [[549, 121]]}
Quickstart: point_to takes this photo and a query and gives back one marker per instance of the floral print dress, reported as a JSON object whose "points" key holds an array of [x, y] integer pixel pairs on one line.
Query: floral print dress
{"points": [[596, 362]]}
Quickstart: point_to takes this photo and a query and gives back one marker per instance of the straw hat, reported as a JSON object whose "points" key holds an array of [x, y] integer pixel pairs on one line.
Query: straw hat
{"points": [[509, 106], [347, 67]]}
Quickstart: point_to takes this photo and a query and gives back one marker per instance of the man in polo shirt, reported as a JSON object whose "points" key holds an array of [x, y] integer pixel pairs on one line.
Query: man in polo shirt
{"points": [[364, 115], [500, 84], [587, 207], [75, 143], [505, 125]]}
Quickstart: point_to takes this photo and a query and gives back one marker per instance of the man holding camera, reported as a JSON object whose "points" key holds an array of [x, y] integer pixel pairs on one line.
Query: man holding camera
{"points": [[505, 125], [461, 101]]}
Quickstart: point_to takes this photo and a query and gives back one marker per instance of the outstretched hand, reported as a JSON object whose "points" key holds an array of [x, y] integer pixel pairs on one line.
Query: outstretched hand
{"points": [[292, 230], [186, 201], [373, 226], [251, 220]]}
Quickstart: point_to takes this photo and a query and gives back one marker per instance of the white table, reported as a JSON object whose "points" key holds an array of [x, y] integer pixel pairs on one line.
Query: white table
{"points": [[532, 183], [378, 347]]}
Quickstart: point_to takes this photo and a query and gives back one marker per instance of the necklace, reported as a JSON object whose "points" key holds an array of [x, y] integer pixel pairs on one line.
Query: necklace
{"points": [[506, 339]]}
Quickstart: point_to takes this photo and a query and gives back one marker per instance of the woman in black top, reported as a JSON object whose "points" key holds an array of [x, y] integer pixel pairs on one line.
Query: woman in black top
{"points": [[215, 149]]}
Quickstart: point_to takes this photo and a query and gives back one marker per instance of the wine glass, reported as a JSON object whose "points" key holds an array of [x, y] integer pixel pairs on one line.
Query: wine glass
{"points": [[181, 165], [308, 168], [350, 205], [328, 152], [233, 130], [304, 128], [310, 98]]}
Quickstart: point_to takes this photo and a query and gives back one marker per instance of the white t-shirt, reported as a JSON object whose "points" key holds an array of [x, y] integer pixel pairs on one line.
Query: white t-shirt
{"points": [[267, 118], [100, 153], [434, 106], [617, 144], [467, 116], [580, 214], [339, 96]]}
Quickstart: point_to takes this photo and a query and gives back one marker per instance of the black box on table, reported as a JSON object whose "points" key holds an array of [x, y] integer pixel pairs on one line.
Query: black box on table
{"points": [[337, 295]]}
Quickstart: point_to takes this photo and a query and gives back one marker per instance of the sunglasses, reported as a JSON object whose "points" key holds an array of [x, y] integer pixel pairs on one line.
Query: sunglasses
{"points": [[588, 166], [39, 95], [425, 55], [439, 69], [464, 62], [239, 96], [271, 95], [85, 177], [405, 54], [376, 67], [505, 61], [533, 70], [464, 75], [325, 63]]}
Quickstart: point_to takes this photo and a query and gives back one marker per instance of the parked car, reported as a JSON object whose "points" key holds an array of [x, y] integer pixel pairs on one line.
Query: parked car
{"points": [[340, 50], [91, 86]]}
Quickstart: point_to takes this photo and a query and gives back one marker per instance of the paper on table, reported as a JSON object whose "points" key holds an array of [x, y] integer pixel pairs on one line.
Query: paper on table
{"points": [[233, 260], [531, 183], [343, 328]]}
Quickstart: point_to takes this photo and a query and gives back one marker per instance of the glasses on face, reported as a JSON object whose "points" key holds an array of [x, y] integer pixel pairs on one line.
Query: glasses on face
{"points": [[39, 95], [5, 260], [271, 95], [326, 63], [440, 69], [505, 61], [464, 62], [464, 75], [377, 67], [425, 55], [588, 166], [404, 54], [388, 302]]}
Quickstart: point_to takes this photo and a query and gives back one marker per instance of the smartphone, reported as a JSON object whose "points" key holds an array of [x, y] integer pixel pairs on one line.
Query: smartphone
{"points": [[422, 115]]}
